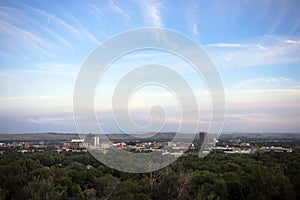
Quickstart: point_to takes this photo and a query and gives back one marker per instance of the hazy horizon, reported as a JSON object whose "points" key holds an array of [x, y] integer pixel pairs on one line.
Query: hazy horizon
{"points": [[117, 133]]}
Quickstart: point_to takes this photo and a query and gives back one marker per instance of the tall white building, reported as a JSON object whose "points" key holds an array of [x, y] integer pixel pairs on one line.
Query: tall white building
{"points": [[95, 141]]}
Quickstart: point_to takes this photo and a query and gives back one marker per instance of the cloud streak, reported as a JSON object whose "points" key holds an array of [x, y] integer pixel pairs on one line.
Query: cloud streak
{"points": [[264, 51], [264, 80], [40, 34], [152, 12], [192, 12], [119, 10]]}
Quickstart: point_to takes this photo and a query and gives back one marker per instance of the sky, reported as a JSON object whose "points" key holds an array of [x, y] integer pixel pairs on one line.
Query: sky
{"points": [[254, 44]]}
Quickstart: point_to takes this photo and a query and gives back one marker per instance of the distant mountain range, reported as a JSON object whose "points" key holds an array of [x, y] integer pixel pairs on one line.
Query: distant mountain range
{"points": [[38, 137], [157, 137]]}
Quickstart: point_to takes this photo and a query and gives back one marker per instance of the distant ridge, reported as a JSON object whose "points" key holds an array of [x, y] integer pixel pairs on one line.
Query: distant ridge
{"points": [[165, 136], [51, 136]]}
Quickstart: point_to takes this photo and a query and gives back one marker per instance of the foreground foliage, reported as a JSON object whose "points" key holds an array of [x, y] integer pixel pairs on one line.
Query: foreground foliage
{"points": [[48, 175]]}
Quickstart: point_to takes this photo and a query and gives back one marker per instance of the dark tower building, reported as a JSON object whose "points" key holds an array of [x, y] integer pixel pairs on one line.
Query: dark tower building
{"points": [[200, 139], [89, 138]]}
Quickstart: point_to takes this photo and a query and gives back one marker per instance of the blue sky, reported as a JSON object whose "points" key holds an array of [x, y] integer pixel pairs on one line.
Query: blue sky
{"points": [[255, 45]]}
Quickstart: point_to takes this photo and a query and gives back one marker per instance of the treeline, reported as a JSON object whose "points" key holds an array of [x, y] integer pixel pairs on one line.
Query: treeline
{"points": [[48, 175]]}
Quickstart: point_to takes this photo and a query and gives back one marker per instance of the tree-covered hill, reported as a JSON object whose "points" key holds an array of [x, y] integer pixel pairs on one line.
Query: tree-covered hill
{"points": [[48, 175]]}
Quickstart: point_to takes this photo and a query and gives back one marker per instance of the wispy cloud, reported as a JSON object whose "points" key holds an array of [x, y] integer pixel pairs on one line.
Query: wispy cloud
{"points": [[264, 80], [284, 9], [260, 118], [81, 32], [263, 51], [274, 91], [224, 45], [288, 41], [119, 10], [192, 18], [255, 122], [75, 27], [152, 12], [34, 84], [40, 34], [28, 40], [195, 30], [51, 120]]}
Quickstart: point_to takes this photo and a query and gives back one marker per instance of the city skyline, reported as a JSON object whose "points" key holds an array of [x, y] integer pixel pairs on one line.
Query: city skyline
{"points": [[255, 46]]}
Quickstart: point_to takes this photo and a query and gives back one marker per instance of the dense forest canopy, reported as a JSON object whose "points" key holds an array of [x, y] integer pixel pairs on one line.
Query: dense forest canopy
{"points": [[67, 175]]}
